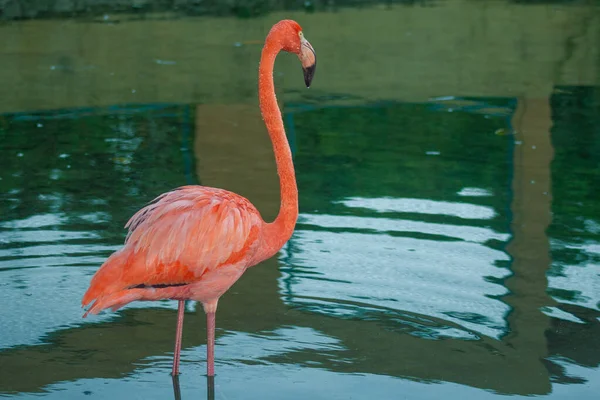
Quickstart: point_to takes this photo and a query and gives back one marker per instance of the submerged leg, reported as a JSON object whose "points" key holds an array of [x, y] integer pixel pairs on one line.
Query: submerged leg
{"points": [[176, 388], [210, 309], [178, 333], [210, 388]]}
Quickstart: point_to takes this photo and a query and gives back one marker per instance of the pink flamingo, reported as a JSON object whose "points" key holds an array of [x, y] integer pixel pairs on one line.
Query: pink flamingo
{"points": [[195, 242]]}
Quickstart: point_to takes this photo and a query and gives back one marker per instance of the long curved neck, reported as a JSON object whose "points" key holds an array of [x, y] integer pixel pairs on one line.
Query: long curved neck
{"points": [[279, 231]]}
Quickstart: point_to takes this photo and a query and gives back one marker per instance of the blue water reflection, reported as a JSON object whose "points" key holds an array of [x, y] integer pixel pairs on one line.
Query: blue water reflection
{"points": [[427, 257], [423, 259], [452, 280]]}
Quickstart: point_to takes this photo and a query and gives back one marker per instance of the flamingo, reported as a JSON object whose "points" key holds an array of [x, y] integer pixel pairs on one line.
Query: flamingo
{"points": [[195, 242]]}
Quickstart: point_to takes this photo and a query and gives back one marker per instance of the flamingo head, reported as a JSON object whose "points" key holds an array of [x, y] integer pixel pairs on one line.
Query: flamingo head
{"points": [[293, 41]]}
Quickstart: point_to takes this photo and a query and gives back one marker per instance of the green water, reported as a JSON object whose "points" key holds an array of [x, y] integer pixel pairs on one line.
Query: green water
{"points": [[448, 245]]}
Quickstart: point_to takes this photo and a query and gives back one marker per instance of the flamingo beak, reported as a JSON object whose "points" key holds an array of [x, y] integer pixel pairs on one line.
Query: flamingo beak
{"points": [[308, 59]]}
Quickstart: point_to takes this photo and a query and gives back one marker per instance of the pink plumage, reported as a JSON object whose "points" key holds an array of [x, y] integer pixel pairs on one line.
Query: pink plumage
{"points": [[194, 242], [179, 242]]}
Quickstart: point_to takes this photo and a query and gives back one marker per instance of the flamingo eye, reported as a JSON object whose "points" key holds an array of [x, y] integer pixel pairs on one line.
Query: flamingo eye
{"points": [[301, 34]]}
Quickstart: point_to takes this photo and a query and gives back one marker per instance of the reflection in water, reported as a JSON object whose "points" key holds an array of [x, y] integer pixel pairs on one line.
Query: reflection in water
{"points": [[424, 275], [177, 388], [423, 206], [573, 276], [578, 284], [210, 387], [67, 225], [446, 248], [439, 260], [402, 273]]}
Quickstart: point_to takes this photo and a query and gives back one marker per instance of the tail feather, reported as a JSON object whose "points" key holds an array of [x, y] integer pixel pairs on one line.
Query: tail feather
{"points": [[116, 282], [115, 301], [108, 279], [120, 298]]}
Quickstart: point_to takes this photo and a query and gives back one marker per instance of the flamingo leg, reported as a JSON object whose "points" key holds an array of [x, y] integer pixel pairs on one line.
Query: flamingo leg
{"points": [[178, 333], [176, 388], [210, 343], [210, 388]]}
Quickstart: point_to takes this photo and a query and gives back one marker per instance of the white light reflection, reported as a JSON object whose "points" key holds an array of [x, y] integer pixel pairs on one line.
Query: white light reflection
{"points": [[467, 233], [583, 280], [421, 206], [474, 192], [389, 267]]}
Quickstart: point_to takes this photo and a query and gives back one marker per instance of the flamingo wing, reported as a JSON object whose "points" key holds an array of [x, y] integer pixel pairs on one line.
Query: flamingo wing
{"points": [[179, 237]]}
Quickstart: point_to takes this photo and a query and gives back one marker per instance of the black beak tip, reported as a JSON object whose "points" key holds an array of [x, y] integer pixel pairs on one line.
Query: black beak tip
{"points": [[309, 73]]}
